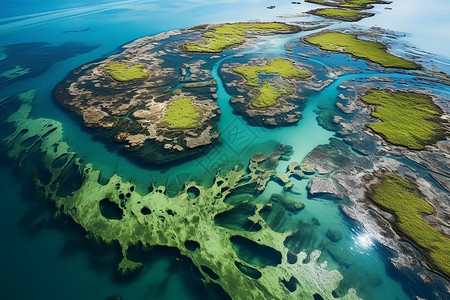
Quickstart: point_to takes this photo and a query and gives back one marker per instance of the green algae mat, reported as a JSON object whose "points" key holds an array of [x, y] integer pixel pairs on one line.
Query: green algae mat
{"points": [[278, 66], [341, 14], [184, 221], [181, 113], [268, 93], [350, 44], [226, 35], [397, 196], [355, 4], [407, 119], [122, 72]]}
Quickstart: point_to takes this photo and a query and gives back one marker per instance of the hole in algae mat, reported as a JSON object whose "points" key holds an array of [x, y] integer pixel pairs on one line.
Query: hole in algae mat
{"points": [[317, 297], [35, 167], [48, 132], [255, 254], [193, 192], [192, 245], [237, 218], [110, 210], [28, 142], [210, 273], [60, 161], [69, 180], [291, 258], [291, 285], [249, 271], [146, 211], [20, 135]]}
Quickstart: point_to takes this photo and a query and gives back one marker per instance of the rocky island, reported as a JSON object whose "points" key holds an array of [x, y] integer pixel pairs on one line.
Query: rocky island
{"points": [[157, 96], [270, 93], [267, 93]]}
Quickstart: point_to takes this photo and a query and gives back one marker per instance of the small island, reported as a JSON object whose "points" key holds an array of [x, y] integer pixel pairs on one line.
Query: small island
{"points": [[157, 96], [354, 4], [350, 44], [222, 36], [267, 92], [392, 193], [397, 109], [346, 15]]}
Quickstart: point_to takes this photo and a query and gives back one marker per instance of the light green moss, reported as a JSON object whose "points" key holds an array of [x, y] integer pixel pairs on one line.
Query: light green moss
{"points": [[268, 93], [356, 4], [122, 72], [399, 197], [226, 35], [267, 96], [340, 14], [350, 44], [181, 113], [278, 66], [408, 119]]}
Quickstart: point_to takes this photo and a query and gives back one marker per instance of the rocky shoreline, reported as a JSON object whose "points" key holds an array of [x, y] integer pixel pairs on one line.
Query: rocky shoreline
{"points": [[354, 174]]}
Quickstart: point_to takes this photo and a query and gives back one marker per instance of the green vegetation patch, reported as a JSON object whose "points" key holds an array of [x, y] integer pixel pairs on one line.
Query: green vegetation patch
{"points": [[356, 4], [122, 72], [349, 43], [267, 92], [181, 113], [279, 66], [267, 96], [226, 35], [408, 119], [340, 14], [396, 195]]}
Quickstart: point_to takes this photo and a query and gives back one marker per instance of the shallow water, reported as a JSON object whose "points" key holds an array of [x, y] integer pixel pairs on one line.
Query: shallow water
{"points": [[47, 259]]}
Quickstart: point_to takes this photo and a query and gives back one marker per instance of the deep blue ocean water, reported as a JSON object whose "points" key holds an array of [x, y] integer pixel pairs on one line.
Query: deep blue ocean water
{"points": [[44, 258]]}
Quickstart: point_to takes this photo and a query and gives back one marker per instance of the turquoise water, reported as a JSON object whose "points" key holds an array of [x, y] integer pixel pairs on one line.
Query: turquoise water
{"points": [[49, 259]]}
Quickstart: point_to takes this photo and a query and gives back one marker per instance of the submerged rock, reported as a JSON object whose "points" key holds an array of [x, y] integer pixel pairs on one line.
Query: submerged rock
{"points": [[288, 203], [333, 235]]}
